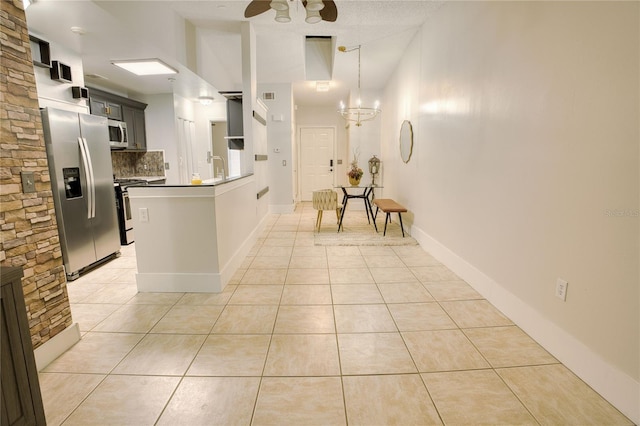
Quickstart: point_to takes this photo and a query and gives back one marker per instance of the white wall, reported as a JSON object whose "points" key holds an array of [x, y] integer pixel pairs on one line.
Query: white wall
{"points": [[56, 94], [161, 131], [279, 146], [525, 169], [212, 67]]}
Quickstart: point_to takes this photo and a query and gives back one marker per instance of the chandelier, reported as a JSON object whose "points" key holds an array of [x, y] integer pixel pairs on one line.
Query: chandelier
{"points": [[358, 113]]}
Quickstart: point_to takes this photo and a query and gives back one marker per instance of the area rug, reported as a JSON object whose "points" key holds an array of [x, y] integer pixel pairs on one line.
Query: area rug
{"points": [[357, 232]]}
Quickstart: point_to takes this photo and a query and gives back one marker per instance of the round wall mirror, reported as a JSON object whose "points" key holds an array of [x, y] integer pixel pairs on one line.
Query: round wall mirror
{"points": [[406, 141]]}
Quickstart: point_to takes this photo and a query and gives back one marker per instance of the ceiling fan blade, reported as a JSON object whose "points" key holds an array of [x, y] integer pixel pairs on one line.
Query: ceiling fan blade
{"points": [[329, 12], [256, 7]]}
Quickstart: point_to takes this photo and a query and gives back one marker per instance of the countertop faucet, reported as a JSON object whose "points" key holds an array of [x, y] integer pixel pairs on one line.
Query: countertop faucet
{"points": [[224, 165]]}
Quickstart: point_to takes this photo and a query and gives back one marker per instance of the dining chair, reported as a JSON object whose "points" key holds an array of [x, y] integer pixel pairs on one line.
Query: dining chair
{"points": [[325, 199]]}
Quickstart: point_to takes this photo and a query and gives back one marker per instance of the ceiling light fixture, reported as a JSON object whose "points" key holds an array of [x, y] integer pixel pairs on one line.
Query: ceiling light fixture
{"points": [[317, 10], [279, 5], [205, 100], [316, 5], [78, 30], [358, 113], [313, 16], [283, 16], [146, 67], [322, 86]]}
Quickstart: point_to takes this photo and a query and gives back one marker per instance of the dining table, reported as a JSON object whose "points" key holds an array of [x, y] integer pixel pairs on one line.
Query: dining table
{"points": [[363, 192]]}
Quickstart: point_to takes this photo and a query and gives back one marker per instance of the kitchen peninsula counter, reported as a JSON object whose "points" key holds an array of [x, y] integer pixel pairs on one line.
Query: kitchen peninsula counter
{"points": [[192, 238], [205, 182]]}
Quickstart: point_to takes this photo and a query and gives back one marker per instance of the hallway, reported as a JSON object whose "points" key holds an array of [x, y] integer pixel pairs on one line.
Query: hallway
{"points": [[308, 334]]}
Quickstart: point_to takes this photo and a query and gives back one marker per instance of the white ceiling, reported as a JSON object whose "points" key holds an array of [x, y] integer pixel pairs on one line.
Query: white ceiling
{"points": [[202, 40]]}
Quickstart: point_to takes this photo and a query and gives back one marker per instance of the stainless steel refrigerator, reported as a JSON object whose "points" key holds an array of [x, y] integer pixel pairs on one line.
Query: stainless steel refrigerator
{"points": [[82, 182]]}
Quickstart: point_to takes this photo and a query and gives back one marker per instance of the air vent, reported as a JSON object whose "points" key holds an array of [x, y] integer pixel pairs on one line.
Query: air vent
{"points": [[269, 96]]}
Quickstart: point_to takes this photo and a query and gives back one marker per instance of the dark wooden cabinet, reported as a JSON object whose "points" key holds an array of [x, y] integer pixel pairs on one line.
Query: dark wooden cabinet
{"points": [[105, 108], [136, 127], [124, 109], [21, 398]]}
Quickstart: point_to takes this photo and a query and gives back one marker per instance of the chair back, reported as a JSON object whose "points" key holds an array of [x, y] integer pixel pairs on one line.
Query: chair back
{"points": [[325, 199]]}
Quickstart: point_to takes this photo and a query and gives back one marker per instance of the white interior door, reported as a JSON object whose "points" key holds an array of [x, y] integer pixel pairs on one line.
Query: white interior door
{"points": [[316, 160]]}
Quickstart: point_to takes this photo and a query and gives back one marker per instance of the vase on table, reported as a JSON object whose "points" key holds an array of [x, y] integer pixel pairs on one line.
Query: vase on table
{"points": [[355, 173]]}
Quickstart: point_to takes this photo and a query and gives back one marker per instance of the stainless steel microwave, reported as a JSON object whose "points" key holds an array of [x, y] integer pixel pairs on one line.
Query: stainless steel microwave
{"points": [[118, 137]]}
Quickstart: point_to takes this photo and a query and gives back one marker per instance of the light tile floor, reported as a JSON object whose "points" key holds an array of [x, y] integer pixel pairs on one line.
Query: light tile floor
{"points": [[304, 335]]}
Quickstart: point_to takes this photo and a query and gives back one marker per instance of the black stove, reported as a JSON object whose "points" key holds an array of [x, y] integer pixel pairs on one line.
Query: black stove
{"points": [[123, 207], [124, 182]]}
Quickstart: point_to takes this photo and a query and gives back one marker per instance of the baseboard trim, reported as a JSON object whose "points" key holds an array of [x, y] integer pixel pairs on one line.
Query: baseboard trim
{"points": [[209, 282], [56, 346], [240, 255], [621, 390]]}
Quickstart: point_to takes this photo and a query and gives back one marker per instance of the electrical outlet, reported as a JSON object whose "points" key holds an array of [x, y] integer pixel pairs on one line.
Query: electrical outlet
{"points": [[143, 214], [561, 289], [166, 166]]}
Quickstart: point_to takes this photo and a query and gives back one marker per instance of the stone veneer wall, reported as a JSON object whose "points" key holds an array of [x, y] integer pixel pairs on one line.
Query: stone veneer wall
{"points": [[28, 231], [128, 164]]}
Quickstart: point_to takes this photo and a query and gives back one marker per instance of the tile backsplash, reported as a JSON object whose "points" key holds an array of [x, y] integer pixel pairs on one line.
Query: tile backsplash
{"points": [[128, 164]]}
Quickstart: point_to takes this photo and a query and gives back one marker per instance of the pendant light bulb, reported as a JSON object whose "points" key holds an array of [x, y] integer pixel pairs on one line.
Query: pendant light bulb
{"points": [[313, 16], [279, 5], [283, 16], [315, 5]]}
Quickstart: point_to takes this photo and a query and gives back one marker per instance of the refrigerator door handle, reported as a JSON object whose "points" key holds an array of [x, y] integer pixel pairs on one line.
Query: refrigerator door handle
{"points": [[93, 179], [89, 175]]}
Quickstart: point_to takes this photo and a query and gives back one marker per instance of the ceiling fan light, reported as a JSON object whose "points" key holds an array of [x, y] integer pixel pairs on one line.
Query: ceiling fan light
{"points": [[283, 16], [316, 5], [279, 5], [313, 16]]}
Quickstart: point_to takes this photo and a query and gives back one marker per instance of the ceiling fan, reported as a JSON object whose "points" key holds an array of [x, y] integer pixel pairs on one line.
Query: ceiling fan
{"points": [[317, 10]]}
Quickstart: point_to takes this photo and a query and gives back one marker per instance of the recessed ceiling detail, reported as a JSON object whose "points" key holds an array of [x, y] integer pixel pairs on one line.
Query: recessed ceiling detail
{"points": [[318, 57]]}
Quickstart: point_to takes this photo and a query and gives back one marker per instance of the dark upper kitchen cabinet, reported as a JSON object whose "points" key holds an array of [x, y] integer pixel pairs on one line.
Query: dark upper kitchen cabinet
{"points": [[21, 397], [136, 127], [124, 109], [105, 108], [235, 126]]}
